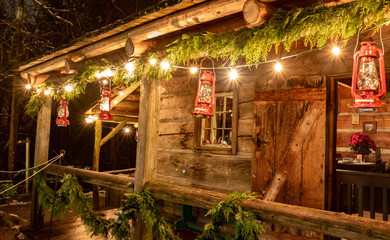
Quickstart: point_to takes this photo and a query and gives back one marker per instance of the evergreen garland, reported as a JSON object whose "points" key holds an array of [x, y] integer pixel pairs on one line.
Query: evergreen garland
{"points": [[316, 25], [230, 213]]}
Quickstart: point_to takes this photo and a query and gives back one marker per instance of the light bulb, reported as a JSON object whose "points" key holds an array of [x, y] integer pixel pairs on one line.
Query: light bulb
{"points": [[107, 73], [105, 81], [98, 75], [47, 91], [39, 90], [68, 88], [88, 120], [336, 50], [130, 67], [278, 67], [233, 74], [127, 129], [28, 86], [153, 61], [164, 65], [193, 69], [121, 93]]}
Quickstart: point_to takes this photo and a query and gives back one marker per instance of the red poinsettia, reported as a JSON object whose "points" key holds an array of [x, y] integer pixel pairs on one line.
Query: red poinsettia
{"points": [[361, 143]]}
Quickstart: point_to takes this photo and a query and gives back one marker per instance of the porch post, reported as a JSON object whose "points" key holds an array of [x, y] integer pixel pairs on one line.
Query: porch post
{"points": [[40, 156], [13, 132], [95, 161]]}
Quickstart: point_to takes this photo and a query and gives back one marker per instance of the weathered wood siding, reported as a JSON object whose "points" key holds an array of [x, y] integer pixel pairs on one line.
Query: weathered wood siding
{"points": [[178, 163], [345, 128]]}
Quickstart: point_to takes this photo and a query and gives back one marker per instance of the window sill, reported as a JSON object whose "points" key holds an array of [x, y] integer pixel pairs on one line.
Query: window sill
{"points": [[216, 150]]}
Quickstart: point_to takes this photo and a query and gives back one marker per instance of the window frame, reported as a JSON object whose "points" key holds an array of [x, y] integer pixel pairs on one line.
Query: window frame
{"points": [[232, 149]]}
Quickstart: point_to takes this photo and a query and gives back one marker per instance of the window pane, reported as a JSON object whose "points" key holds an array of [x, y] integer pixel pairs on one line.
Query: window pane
{"points": [[229, 104], [229, 120], [218, 104]]}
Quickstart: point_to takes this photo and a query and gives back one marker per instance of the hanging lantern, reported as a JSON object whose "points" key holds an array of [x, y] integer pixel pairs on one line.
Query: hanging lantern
{"points": [[367, 86], [62, 114], [105, 101], [205, 97]]}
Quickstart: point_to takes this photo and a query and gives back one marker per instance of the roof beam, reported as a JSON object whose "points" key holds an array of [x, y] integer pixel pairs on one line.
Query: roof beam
{"points": [[189, 17]]}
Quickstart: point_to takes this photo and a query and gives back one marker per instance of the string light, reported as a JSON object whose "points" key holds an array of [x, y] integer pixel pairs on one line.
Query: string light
{"points": [[68, 88], [38, 90], [193, 70], [107, 73], [47, 92], [278, 67], [89, 119], [105, 81], [127, 130], [233, 74], [130, 67], [28, 86], [165, 65], [98, 75], [153, 61], [336, 50]]}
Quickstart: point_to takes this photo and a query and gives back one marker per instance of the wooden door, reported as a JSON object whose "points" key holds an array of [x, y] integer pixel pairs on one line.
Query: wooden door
{"points": [[290, 140]]}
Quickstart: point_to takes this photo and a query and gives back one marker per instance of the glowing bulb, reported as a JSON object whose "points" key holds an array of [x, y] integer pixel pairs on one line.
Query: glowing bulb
{"points": [[88, 120], [68, 88], [121, 93], [98, 75], [47, 91], [278, 67], [38, 90], [130, 67], [193, 69], [107, 73], [336, 50], [153, 61], [105, 81], [127, 129], [94, 118], [233, 74], [164, 65], [28, 86]]}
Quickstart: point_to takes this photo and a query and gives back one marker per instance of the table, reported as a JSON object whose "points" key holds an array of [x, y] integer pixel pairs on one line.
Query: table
{"points": [[362, 166]]}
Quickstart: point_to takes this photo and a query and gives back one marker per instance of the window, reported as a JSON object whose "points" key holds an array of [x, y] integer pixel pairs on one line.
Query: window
{"points": [[217, 134]]}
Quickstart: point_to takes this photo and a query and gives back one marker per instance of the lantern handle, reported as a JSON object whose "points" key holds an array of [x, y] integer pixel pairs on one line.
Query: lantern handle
{"points": [[382, 91], [200, 66]]}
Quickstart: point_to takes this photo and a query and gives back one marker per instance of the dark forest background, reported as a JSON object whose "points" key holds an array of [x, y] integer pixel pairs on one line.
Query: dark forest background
{"points": [[32, 28]]}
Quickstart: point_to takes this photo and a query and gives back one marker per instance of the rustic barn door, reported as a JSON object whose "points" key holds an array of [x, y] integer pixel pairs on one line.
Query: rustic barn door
{"points": [[290, 143]]}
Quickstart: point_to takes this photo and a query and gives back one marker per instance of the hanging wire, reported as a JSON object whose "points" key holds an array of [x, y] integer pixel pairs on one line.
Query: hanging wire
{"points": [[357, 43], [380, 36], [213, 68], [48, 164], [32, 168]]}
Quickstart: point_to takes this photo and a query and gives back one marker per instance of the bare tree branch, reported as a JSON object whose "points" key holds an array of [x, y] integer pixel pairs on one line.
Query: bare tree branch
{"points": [[51, 13]]}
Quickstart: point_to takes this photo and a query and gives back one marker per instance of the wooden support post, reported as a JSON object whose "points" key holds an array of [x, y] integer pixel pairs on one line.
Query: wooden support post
{"points": [[13, 132], [95, 161], [40, 156], [112, 133], [299, 137]]}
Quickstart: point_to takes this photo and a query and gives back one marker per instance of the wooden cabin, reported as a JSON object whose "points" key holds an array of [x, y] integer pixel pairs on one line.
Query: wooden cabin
{"points": [[279, 134]]}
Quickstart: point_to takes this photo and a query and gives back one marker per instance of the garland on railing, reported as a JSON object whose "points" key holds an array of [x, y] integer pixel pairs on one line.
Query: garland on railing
{"points": [[71, 196], [316, 25], [230, 213]]}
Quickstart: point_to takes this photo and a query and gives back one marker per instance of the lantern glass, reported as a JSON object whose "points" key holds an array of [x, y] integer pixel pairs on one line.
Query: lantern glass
{"points": [[205, 93], [105, 103], [368, 78], [61, 112]]}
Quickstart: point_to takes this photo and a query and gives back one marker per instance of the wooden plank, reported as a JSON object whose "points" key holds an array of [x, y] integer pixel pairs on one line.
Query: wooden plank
{"points": [[300, 135], [95, 160], [385, 208], [291, 94], [13, 127], [41, 155], [178, 127], [245, 110], [235, 121], [326, 222], [245, 127], [176, 141], [112, 133], [245, 144], [118, 182]]}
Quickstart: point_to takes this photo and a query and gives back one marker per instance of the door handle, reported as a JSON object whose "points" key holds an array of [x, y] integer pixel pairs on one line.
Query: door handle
{"points": [[260, 141]]}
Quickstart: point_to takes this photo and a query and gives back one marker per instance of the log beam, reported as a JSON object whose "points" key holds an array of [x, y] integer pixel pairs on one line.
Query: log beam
{"points": [[256, 13], [112, 133], [95, 160], [326, 222]]}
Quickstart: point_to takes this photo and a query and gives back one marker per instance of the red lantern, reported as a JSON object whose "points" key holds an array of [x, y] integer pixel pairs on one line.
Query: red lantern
{"points": [[62, 114], [367, 86], [105, 101], [205, 97]]}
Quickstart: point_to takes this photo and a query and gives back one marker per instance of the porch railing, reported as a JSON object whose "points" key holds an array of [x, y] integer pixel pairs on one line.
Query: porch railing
{"points": [[358, 192]]}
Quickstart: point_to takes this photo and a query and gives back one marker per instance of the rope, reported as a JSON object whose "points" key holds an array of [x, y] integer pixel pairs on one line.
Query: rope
{"points": [[32, 168], [48, 164]]}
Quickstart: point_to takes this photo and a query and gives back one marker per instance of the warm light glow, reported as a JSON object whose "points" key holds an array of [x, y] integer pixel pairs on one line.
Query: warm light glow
{"points": [[193, 69], [153, 61], [115, 101], [47, 91], [121, 93], [68, 88], [164, 65], [98, 75], [95, 118], [233, 74], [336, 50], [154, 34], [107, 73], [105, 81], [28, 86], [130, 67], [278, 67], [127, 129], [89, 119], [38, 90]]}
